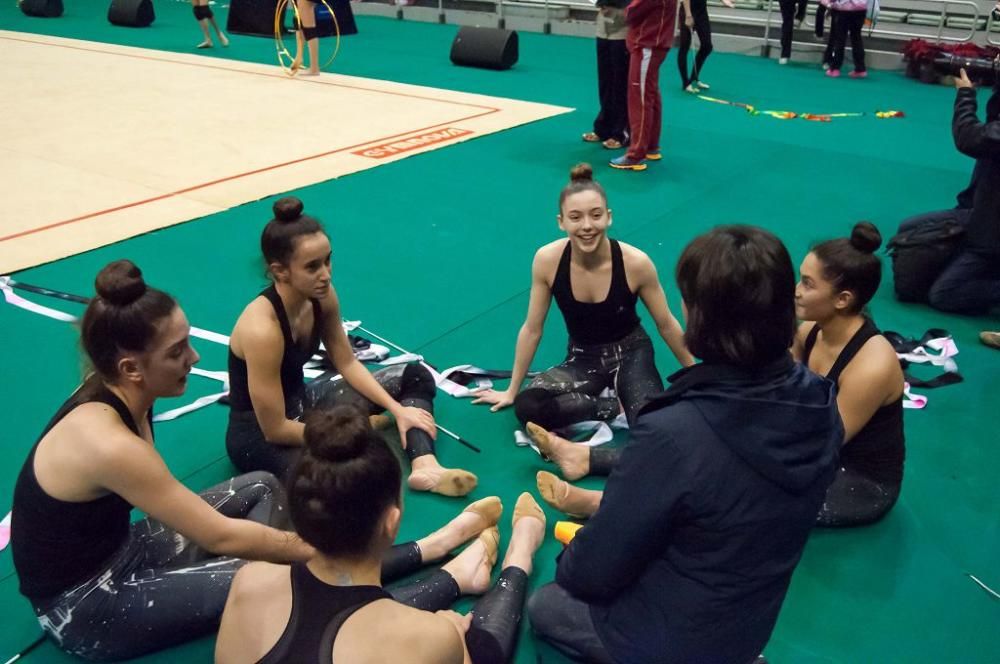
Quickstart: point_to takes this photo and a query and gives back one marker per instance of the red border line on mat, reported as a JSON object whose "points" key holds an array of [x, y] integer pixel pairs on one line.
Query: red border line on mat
{"points": [[234, 177], [244, 71], [489, 111]]}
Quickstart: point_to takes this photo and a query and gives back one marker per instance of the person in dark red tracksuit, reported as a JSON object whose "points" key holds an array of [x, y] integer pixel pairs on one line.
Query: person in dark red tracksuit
{"points": [[650, 35]]}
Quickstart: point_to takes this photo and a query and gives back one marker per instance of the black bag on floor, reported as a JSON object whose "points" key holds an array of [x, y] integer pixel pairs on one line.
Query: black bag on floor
{"points": [[920, 255], [42, 8]]}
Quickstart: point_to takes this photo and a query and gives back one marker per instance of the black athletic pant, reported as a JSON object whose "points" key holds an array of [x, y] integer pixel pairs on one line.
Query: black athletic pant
{"points": [[703, 26], [570, 392], [791, 11], [612, 89], [845, 23], [820, 18], [159, 589], [495, 616], [410, 384], [856, 500]]}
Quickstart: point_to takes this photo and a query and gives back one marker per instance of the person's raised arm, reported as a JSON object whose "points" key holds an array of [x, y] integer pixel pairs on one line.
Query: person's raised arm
{"points": [[972, 137], [651, 292], [262, 346], [528, 336], [358, 377], [130, 467]]}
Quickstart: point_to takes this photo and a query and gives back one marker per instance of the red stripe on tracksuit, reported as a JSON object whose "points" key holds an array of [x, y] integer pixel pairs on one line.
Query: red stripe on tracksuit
{"points": [[651, 26]]}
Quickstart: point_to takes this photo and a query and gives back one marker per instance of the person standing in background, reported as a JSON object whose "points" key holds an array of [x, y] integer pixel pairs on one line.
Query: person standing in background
{"points": [[611, 123]]}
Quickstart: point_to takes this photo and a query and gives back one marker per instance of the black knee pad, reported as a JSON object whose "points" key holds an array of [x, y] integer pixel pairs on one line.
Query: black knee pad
{"points": [[309, 33], [530, 405], [418, 383], [202, 12]]}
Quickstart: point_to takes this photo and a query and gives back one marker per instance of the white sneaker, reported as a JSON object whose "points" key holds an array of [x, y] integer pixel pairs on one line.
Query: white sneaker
{"points": [[782, 61]]}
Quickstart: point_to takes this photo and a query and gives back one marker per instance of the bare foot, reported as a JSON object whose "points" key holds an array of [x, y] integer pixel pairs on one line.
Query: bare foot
{"points": [[573, 460], [528, 533], [224, 40], [472, 568], [568, 499], [428, 475], [205, 44], [473, 520], [310, 72]]}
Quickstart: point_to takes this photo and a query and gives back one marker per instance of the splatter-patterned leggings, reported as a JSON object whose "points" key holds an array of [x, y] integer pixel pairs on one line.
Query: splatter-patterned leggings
{"points": [[160, 588]]}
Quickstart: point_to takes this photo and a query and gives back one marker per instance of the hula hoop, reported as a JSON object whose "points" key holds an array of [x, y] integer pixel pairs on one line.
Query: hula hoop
{"points": [[279, 42]]}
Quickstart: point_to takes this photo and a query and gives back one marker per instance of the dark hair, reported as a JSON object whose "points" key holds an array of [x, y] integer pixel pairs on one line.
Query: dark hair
{"points": [[581, 178], [739, 287], [851, 264], [122, 317], [277, 242], [342, 484]]}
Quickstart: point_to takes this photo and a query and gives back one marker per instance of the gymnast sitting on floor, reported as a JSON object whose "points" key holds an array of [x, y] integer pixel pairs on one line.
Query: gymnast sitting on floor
{"points": [[105, 589], [281, 329], [344, 498], [839, 341], [596, 282]]}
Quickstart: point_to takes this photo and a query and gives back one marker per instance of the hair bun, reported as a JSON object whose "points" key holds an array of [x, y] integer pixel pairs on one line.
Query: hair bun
{"points": [[120, 283], [336, 435], [865, 237], [581, 173], [287, 209]]}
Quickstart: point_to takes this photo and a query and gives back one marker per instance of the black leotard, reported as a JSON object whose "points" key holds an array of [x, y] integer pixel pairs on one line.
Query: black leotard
{"points": [[878, 449], [597, 322], [294, 356], [58, 544], [319, 610]]}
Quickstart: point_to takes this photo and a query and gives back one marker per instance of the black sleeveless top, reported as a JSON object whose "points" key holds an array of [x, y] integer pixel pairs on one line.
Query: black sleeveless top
{"points": [[294, 356], [878, 450], [319, 610], [58, 545], [596, 322]]}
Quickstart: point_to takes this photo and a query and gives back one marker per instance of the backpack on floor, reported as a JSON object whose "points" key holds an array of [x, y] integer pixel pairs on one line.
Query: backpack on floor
{"points": [[920, 255]]}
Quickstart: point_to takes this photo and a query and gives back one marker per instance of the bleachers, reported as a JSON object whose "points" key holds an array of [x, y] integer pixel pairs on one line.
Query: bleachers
{"points": [[750, 24]]}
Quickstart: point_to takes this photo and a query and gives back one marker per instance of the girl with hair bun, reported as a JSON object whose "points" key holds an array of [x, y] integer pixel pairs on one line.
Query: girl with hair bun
{"points": [[837, 339], [102, 588], [281, 329], [344, 499], [595, 282]]}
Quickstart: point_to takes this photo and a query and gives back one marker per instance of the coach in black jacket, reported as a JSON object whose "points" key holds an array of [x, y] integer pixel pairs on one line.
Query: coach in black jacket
{"points": [[971, 283], [690, 554]]}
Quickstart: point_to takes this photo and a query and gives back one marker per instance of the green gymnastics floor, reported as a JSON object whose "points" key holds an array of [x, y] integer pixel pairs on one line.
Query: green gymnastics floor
{"points": [[433, 252]]}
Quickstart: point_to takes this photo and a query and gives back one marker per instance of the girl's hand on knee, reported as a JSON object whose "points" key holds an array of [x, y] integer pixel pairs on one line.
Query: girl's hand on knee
{"points": [[410, 417]]}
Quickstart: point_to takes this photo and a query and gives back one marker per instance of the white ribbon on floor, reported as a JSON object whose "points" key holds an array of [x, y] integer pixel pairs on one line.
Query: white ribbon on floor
{"points": [[913, 400], [601, 433], [5, 531], [944, 350], [311, 370]]}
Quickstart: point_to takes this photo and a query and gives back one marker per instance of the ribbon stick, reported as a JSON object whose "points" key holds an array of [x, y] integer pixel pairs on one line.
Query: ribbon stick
{"points": [[791, 115]]}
